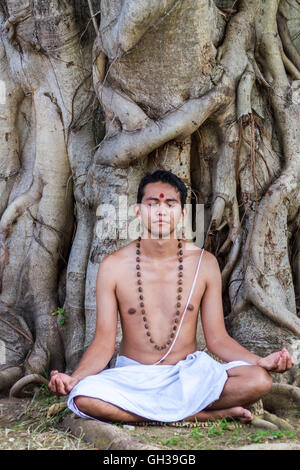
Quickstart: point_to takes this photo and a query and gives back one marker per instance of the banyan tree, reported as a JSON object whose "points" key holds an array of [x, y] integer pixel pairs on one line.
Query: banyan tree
{"points": [[93, 94]]}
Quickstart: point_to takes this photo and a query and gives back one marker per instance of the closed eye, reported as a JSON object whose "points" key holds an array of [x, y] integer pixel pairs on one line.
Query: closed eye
{"points": [[155, 204]]}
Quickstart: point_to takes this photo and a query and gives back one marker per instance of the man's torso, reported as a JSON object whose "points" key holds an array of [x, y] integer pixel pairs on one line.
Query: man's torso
{"points": [[160, 290]]}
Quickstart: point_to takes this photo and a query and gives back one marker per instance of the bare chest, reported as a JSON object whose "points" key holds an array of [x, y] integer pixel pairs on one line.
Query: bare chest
{"points": [[160, 295]]}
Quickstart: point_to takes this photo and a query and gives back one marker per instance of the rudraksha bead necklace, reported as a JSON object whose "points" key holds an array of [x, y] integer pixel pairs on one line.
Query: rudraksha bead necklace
{"points": [[141, 297]]}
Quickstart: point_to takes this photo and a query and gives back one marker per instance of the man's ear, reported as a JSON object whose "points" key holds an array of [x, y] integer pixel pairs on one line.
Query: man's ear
{"points": [[137, 209], [183, 213]]}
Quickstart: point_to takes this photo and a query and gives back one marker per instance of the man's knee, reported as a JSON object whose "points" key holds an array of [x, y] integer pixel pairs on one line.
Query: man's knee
{"points": [[83, 403], [90, 406], [260, 381]]}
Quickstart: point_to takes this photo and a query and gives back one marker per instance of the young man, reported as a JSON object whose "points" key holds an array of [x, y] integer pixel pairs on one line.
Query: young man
{"points": [[157, 285]]}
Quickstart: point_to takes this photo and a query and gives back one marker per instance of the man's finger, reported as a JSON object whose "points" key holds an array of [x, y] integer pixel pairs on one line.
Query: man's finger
{"points": [[56, 384], [52, 385], [282, 365], [59, 385], [277, 359], [69, 387], [290, 362], [273, 361]]}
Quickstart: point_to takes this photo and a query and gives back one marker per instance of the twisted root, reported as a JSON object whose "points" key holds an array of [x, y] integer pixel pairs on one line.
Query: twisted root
{"points": [[13, 20], [281, 398], [10, 375], [16, 390]]}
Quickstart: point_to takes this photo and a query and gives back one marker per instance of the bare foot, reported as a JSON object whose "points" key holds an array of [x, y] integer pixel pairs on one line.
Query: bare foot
{"points": [[242, 414], [238, 412]]}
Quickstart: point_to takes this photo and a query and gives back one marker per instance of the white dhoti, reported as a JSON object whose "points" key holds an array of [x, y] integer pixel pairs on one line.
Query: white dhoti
{"points": [[164, 393]]}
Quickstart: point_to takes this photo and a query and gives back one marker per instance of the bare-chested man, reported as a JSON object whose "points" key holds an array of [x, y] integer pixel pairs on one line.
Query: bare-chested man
{"points": [[187, 383]]}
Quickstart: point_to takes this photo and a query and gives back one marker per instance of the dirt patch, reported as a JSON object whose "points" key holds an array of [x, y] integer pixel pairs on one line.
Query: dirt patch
{"points": [[24, 424]]}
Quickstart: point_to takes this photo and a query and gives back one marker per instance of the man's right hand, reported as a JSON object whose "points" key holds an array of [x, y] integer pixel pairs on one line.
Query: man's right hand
{"points": [[61, 384]]}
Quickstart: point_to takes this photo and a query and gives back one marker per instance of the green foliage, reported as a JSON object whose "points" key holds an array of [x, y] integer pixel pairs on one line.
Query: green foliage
{"points": [[261, 435], [218, 427], [196, 433], [172, 441], [62, 315]]}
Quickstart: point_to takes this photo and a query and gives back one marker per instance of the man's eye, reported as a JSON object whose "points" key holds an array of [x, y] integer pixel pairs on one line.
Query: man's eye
{"points": [[155, 204]]}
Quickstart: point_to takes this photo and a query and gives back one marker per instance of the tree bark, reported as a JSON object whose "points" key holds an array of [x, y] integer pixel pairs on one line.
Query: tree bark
{"points": [[98, 93]]}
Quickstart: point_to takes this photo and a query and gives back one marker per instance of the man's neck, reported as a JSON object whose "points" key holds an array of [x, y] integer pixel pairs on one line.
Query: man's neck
{"points": [[160, 248]]}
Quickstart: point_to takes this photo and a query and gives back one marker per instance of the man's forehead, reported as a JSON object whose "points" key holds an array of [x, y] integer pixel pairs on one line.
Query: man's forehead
{"points": [[161, 192]]}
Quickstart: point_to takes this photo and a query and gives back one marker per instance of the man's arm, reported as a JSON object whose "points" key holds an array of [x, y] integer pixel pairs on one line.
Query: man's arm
{"points": [[100, 351], [217, 339]]}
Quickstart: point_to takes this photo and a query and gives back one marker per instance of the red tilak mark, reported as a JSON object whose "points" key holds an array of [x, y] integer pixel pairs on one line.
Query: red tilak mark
{"points": [[161, 195]]}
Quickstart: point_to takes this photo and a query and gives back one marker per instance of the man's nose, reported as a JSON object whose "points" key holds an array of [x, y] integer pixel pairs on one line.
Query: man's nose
{"points": [[162, 209]]}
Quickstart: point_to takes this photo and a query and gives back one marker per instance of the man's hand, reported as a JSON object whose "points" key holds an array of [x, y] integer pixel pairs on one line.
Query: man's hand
{"points": [[61, 384], [280, 361]]}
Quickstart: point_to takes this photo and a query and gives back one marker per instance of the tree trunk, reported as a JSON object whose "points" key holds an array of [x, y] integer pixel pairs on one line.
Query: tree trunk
{"points": [[97, 96]]}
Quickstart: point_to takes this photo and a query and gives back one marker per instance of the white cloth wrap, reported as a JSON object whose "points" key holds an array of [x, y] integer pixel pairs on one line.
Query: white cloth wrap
{"points": [[164, 393]]}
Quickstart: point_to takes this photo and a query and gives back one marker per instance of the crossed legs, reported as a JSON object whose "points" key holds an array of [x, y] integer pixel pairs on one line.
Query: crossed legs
{"points": [[244, 386]]}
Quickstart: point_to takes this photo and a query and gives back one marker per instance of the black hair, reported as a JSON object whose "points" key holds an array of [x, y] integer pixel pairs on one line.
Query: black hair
{"points": [[163, 176]]}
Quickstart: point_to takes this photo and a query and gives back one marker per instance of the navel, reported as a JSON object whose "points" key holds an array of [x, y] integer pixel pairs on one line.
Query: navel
{"points": [[190, 307], [131, 311]]}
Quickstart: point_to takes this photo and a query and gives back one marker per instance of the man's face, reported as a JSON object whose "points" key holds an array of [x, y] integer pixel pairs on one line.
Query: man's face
{"points": [[160, 210]]}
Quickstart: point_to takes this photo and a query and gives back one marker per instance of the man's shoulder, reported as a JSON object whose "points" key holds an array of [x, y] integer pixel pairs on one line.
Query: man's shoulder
{"points": [[118, 256], [208, 258], [209, 264], [211, 268], [110, 268], [211, 260]]}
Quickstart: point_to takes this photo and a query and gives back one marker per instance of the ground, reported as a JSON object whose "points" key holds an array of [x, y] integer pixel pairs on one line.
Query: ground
{"points": [[24, 424], [220, 435]]}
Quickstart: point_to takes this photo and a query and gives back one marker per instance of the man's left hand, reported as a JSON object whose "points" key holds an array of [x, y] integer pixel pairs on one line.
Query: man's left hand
{"points": [[280, 361]]}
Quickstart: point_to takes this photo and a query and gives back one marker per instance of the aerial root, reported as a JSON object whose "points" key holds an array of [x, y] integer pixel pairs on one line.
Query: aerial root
{"points": [[282, 397], [3, 254], [15, 210], [13, 20], [271, 422], [16, 390], [277, 312], [10, 375], [287, 42]]}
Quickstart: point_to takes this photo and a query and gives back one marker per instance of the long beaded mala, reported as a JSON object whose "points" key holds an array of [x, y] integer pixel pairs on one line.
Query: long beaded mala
{"points": [[141, 297]]}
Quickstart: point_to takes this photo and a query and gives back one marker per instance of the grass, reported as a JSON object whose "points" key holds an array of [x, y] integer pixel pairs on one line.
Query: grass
{"points": [[24, 425], [218, 435], [261, 435], [24, 438]]}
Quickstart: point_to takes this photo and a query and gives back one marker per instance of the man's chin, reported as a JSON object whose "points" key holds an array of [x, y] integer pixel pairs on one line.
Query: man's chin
{"points": [[164, 233]]}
